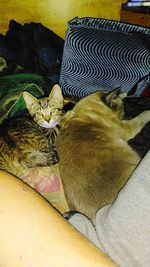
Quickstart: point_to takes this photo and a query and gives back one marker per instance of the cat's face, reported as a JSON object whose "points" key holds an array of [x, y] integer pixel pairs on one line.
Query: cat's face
{"points": [[101, 100], [114, 100], [47, 111]]}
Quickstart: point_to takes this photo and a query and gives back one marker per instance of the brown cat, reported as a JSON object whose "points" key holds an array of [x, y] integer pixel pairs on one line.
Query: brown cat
{"points": [[95, 160]]}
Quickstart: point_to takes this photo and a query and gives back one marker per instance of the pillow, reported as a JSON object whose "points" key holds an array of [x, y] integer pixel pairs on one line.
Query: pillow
{"points": [[104, 54]]}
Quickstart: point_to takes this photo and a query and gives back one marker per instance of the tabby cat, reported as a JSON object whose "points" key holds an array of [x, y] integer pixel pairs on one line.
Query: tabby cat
{"points": [[24, 142], [95, 160]]}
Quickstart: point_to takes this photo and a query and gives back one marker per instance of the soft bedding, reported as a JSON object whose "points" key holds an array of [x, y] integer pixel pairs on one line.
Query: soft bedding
{"points": [[31, 59]]}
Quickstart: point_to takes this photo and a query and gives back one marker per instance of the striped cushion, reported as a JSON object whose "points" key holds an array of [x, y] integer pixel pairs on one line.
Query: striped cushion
{"points": [[104, 54]]}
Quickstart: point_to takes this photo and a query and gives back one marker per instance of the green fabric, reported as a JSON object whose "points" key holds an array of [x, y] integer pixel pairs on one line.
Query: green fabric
{"points": [[11, 88]]}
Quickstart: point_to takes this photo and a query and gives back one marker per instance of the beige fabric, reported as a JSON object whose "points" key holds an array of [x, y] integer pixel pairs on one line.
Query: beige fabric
{"points": [[46, 181]]}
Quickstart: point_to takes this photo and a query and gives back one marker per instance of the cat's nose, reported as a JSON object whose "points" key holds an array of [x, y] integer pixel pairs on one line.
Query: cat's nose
{"points": [[47, 118]]}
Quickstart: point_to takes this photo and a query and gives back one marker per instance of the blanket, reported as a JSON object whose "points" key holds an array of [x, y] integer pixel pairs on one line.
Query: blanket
{"points": [[11, 88]]}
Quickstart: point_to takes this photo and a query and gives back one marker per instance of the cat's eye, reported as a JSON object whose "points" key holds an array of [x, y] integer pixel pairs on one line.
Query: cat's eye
{"points": [[38, 113], [53, 110]]}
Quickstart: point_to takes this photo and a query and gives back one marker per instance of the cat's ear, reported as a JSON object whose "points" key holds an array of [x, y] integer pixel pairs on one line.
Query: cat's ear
{"points": [[123, 95], [111, 97], [56, 94], [29, 99]]}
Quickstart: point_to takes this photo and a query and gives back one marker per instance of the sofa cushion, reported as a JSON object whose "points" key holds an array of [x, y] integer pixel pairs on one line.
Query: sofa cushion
{"points": [[105, 54]]}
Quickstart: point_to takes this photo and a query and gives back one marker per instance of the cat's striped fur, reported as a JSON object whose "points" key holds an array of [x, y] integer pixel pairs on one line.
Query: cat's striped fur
{"points": [[24, 142]]}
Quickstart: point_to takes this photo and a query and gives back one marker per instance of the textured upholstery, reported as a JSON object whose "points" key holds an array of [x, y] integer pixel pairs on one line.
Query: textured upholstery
{"points": [[105, 54]]}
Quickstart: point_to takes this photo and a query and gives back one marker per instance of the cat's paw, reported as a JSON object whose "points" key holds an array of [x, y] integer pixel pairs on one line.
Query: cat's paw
{"points": [[53, 157], [68, 116]]}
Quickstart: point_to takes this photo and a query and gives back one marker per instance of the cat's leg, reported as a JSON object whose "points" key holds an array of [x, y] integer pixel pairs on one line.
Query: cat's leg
{"points": [[40, 158], [52, 137], [134, 126], [69, 115], [43, 154], [53, 156]]}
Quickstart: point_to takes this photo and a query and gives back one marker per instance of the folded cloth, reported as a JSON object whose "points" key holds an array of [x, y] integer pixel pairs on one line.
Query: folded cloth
{"points": [[34, 47], [46, 181]]}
